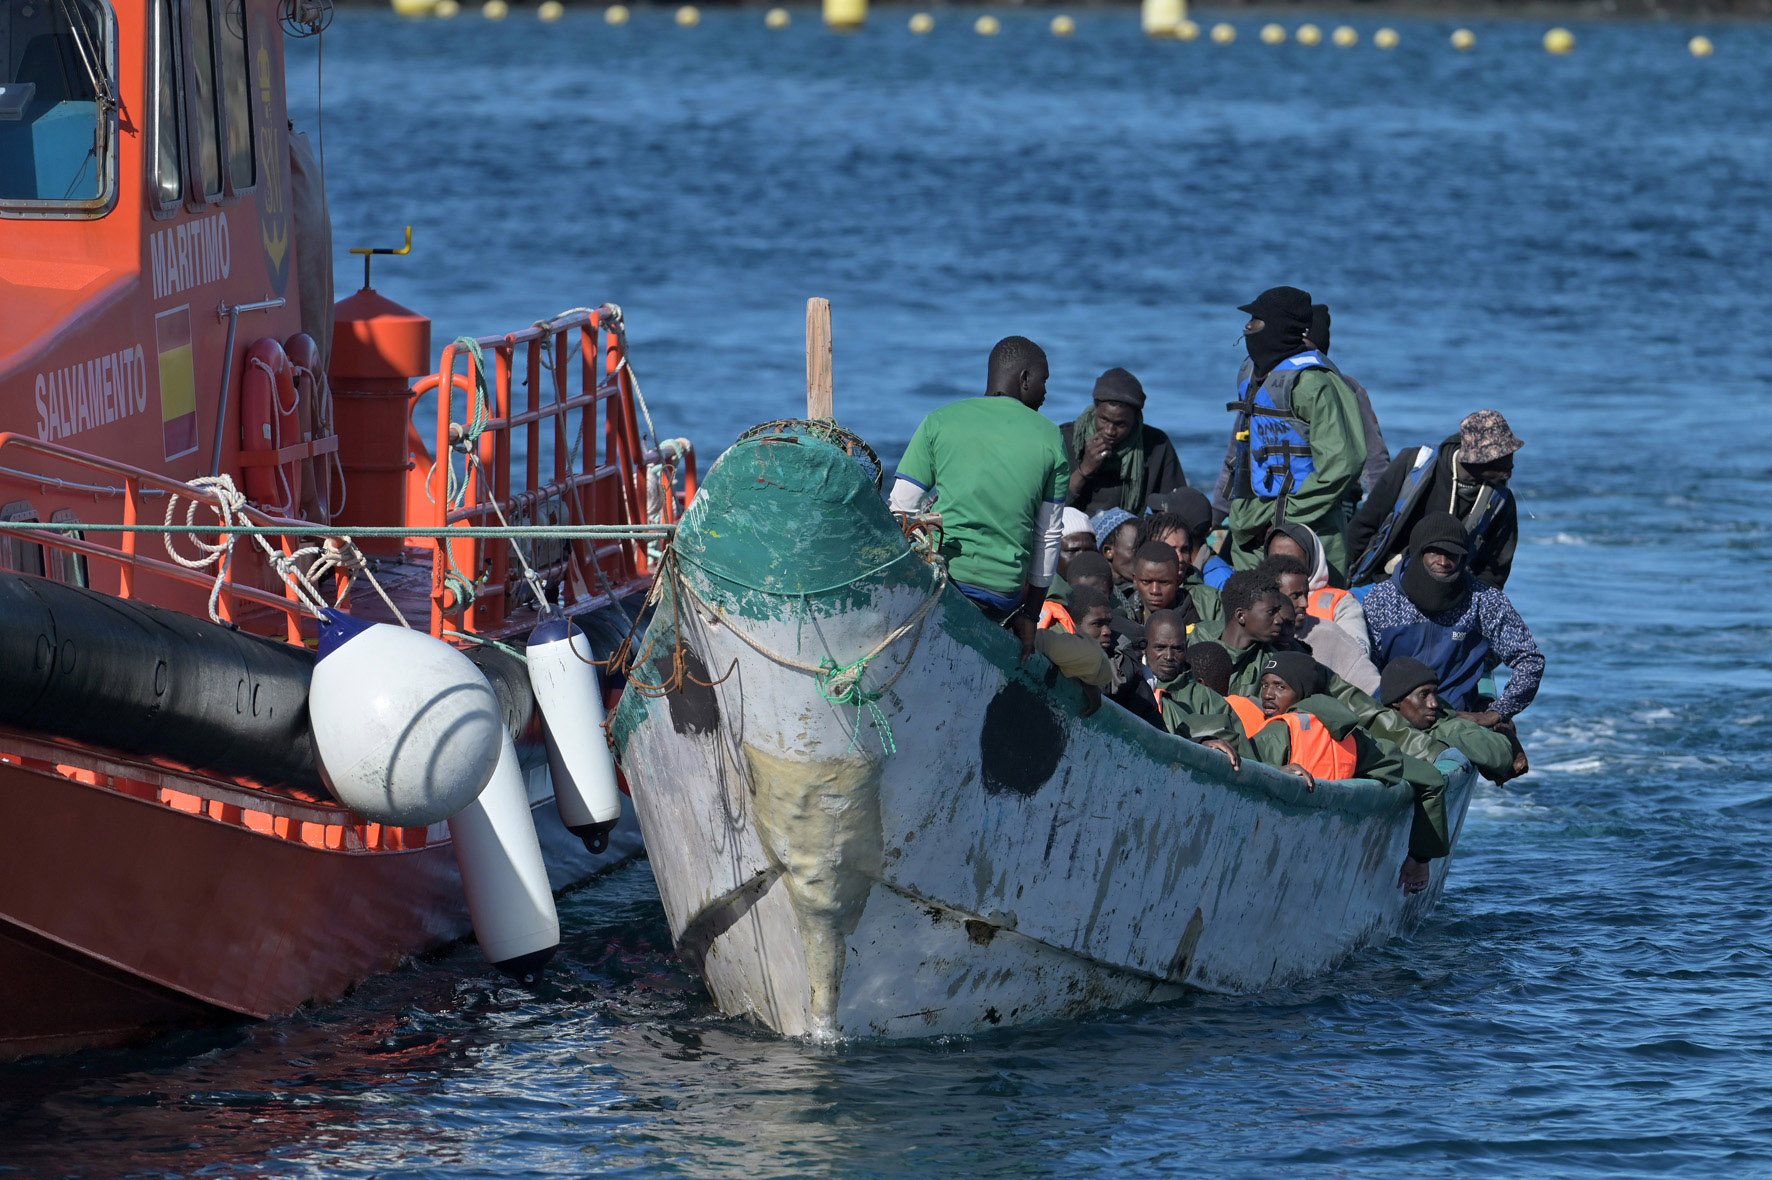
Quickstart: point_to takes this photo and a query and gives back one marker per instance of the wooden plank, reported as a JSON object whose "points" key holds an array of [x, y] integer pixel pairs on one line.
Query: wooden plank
{"points": [[818, 359]]}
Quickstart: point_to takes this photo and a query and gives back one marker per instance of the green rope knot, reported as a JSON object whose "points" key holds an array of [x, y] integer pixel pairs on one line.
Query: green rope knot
{"points": [[840, 684]]}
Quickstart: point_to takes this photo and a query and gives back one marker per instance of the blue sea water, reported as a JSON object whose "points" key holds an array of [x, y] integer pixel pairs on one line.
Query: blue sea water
{"points": [[1579, 242]]}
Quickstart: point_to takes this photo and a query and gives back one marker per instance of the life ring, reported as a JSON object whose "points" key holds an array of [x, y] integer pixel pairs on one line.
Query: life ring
{"points": [[270, 419]]}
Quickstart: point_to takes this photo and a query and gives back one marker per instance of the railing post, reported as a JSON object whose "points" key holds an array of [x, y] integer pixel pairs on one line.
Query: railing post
{"points": [[131, 516], [440, 470]]}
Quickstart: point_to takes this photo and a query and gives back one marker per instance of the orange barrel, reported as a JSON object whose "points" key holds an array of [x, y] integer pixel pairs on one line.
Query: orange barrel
{"points": [[378, 349]]}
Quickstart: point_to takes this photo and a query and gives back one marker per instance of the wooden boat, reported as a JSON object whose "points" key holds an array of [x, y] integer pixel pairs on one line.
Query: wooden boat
{"points": [[166, 286], [866, 820]]}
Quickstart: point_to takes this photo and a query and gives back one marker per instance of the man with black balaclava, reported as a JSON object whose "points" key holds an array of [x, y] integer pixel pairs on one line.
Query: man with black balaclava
{"points": [[1117, 459], [1299, 445], [1434, 610]]}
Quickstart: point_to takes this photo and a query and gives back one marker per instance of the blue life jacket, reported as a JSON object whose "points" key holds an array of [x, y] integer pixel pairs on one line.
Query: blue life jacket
{"points": [[1216, 572], [1274, 444], [1476, 525], [1460, 657]]}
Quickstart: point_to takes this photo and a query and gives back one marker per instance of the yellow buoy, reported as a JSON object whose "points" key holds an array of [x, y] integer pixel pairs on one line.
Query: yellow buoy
{"points": [[550, 10], [1463, 39], [413, 7], [1309, 35], [446, 9], [688, 16], [1223, 34], [1701, 46], [616, 14], [845, 14], [1063, 26], [1345, 37], [777, 18], [922, 23], [1559, 41], [987, 26], [495, 9], [1272, 34], [1385, 38], [1158, 18], [1187, 30]]}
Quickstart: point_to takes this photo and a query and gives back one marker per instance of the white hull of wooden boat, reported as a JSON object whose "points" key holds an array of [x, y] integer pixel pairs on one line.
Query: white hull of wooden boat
{"points": [[1010, 862]]}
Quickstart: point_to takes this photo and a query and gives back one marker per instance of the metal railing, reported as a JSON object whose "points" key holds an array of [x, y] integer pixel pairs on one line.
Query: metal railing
{"points": [[135, 486], [576, 388]]}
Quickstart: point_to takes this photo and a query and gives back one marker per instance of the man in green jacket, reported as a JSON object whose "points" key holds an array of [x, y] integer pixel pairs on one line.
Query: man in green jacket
{"points": [[1255, 619], [1299, 445], [1188, 707], [1420, 725], [1292, 698]]}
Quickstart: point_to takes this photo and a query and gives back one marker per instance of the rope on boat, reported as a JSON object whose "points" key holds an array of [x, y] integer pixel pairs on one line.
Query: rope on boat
{"points": [[841, 684], [230, 509]]}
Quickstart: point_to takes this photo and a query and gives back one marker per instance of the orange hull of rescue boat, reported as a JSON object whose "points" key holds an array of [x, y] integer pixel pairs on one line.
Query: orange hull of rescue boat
{"points": [[184, 905]]}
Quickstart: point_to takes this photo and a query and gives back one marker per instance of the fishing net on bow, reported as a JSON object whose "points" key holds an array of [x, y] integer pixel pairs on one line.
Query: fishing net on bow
{"points": [[824, 430]]}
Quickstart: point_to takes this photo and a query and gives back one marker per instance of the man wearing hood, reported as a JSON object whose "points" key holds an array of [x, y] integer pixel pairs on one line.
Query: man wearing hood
{"points": [[1466, 475], [1117, 459], [1298, 445], [1324, 600], [1329, 643], [1434, 610]]}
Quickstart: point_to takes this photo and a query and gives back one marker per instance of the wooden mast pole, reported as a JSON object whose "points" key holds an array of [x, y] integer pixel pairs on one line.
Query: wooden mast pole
{"points": [[818, 359]]}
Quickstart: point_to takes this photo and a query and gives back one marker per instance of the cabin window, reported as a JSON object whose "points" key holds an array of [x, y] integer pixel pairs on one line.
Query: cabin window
{"points": [[202, 101], [57, 107], [66, 566], [17, 554], [236, 98], [168, 127]]}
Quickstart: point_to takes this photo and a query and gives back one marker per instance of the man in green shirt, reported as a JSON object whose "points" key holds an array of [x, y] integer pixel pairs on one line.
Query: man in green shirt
{"points": [[997, 472], [1299, 444]]}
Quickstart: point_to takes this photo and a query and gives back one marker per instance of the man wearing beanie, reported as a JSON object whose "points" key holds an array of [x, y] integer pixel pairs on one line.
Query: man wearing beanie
{"points": [[1298, 444], [1466, 475], [1317, 737], [1420, 725], [1118, 460]]}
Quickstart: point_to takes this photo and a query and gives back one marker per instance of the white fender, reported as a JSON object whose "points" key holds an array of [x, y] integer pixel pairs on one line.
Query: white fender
{"points": [[571, 699], [503, 873], [406, 729]]}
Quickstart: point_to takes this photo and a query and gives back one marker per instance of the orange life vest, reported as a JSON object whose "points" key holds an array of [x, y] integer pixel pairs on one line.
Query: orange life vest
{"points": [[1054, 615], [1323, 602], [1316, 751], [1248, 712]]}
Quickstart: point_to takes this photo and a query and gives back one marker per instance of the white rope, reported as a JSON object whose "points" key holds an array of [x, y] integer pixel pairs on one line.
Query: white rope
{"points": [[338, 553]]}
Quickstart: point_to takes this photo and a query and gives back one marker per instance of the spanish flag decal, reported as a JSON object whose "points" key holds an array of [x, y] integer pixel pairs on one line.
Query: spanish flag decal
{"points": [[178, 381]]}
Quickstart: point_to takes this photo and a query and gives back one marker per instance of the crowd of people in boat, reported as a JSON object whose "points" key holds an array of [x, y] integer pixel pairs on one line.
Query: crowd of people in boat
{"points": [[1328, 609]]}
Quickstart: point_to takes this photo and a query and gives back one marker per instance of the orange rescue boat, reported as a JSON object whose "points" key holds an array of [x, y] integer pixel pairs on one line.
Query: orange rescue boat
{"points": [[169, 335]]}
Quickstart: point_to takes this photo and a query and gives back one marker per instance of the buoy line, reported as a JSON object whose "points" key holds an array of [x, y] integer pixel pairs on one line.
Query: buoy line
{"points": [[1162, 20]]}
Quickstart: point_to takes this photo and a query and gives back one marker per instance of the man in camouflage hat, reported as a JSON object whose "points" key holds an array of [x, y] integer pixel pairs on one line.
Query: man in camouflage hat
{"points": [[1466, 475]]}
